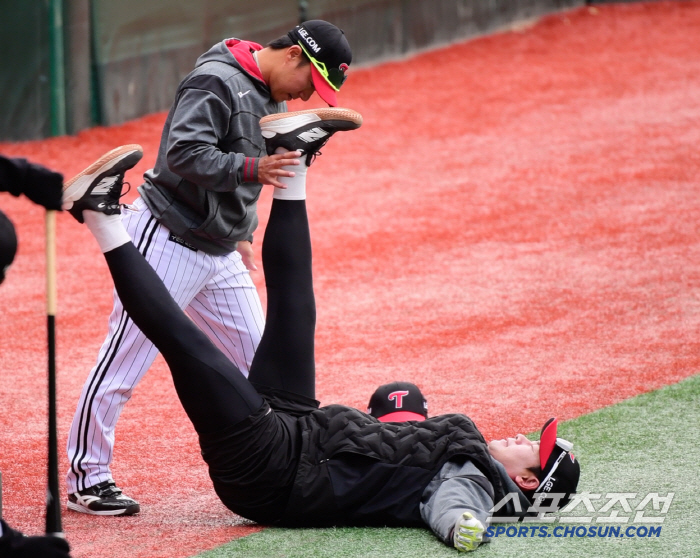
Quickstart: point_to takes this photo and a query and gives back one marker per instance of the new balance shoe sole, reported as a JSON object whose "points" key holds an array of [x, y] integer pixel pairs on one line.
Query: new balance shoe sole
{"points": [[116, 161], [347, 118]]}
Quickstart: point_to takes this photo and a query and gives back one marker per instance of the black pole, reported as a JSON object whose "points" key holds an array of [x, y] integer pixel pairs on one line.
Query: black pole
{"points": [[53, 503]]}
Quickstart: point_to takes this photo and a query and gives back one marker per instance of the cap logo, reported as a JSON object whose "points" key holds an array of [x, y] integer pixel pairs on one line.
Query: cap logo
{"points": [[397, 398], [309, 40]]}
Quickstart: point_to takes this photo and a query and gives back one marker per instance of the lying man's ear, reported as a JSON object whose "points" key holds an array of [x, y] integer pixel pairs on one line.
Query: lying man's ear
{"points": [[527, 481]]}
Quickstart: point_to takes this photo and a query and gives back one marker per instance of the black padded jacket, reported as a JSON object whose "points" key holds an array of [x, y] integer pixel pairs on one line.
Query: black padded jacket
{"points": [[355, 470]]}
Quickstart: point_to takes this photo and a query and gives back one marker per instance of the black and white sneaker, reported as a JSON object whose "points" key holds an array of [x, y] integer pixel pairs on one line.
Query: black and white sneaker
{"points": [[306, 130], [103, 499], [99, 186]]}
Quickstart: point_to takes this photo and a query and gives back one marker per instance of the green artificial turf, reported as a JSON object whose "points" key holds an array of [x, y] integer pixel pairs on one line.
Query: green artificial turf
{"points": [[648, 444]]}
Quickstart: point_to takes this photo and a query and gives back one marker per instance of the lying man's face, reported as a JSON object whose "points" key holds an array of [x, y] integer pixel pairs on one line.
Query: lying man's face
{"points": [[518, 455]]}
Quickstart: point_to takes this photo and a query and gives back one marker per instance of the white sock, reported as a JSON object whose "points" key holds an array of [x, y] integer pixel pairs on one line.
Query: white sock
{"points": [[107, 229], [296, 185]]}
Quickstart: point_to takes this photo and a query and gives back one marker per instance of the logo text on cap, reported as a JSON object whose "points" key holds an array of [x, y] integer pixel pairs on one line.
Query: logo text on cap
{"points": [[313, 45]]}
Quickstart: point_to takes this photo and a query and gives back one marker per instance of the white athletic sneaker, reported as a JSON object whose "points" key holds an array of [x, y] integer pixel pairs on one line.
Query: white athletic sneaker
{"points": [[105, 498], [99, 186], [306, 130]]}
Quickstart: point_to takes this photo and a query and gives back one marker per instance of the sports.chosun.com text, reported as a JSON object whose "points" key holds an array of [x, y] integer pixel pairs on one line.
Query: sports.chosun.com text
{"points": [[562, 531]]}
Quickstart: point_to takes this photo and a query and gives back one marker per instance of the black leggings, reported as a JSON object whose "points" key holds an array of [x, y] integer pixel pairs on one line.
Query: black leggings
{"points": [[212, 390]]}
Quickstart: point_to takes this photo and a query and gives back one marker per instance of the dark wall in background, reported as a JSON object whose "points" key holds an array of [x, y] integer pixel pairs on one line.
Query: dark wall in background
{"points": [[24, 70], [123, 59]]}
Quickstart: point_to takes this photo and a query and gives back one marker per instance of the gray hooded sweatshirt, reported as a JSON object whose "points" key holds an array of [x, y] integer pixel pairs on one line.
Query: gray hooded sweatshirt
{"points": [[204, 186]]}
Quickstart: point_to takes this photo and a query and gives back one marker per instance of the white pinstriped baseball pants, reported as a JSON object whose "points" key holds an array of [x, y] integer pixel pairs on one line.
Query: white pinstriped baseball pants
{"points": [[218, 295]]}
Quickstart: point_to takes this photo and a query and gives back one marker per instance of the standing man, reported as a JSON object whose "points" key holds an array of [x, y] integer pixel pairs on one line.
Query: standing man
{"points": [[194, 223]]}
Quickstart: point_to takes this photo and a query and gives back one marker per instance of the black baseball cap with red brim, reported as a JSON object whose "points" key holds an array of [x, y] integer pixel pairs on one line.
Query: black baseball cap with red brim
{"points": [[560, 469], [329, 52], [398, 402]]}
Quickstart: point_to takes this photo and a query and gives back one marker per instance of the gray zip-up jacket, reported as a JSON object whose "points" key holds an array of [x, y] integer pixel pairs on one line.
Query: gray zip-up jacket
{"points": [[457, 488], [204, 186]]}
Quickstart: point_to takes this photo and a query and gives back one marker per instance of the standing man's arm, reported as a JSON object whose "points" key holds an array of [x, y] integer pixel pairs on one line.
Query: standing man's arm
{"points": [[199, 122], [245, 249]]}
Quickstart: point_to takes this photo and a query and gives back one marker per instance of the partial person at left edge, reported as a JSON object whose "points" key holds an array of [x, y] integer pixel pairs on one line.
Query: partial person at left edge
{"points": [[44, 187], [41, 185]]}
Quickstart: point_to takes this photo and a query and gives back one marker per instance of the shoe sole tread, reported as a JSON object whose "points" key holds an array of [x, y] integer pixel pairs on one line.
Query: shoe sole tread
{"points": [[82, 509], [72, 191], [331, 113]]}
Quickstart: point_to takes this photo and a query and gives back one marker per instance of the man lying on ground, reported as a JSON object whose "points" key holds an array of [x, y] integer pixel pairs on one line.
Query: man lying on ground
{"points": [[273, 455]]}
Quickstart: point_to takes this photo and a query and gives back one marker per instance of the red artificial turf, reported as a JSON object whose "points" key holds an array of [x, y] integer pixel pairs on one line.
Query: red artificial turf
{"points": [[514, 228]]}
